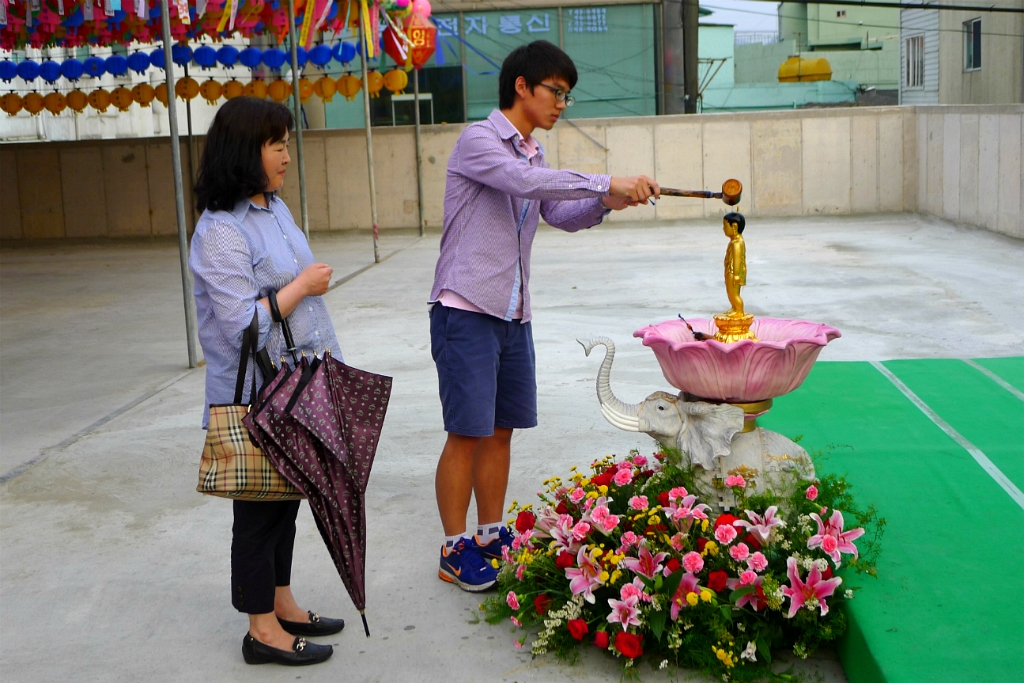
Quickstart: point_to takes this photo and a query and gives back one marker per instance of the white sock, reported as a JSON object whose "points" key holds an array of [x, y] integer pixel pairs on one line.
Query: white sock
{"points": [[485, 533], [450, 541]]}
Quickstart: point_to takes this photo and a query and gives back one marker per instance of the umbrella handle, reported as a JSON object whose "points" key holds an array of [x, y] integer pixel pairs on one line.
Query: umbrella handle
{"points": [[275, 313], [366, 627]]}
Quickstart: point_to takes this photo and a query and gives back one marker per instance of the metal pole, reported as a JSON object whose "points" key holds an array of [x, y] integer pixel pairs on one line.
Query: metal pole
{"points": [[369, 142], [419, 151], [297, 107], [191, 150], [462, 57], [691, 20], [179, 193]]}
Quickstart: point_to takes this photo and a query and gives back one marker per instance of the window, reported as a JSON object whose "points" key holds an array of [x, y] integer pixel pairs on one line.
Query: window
{"points": [[972, 45], [913, 69], [840, 13]]}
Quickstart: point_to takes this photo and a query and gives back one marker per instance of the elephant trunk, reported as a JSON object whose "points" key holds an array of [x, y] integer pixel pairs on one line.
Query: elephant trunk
{"points": [[622, 415]]}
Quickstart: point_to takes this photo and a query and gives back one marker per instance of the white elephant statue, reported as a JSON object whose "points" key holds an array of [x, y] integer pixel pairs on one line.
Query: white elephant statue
{"points": [[709, 436]]}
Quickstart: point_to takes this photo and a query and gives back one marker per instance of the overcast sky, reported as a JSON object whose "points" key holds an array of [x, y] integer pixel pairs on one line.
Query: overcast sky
{"points": [[746, 15]]}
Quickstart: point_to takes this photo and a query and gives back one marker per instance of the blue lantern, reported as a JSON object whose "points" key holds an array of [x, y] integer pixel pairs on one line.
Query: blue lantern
{"points": [[227, 55], [181, 54], [320, 55], [8, 70], [74, 20], [116, 65], [28, 70], [138, 62], [301, 56], [273, 58], [250, 57], [95, 67], [205, 56], [72, 69], [49, 70], [344, 52], [156, 58]]}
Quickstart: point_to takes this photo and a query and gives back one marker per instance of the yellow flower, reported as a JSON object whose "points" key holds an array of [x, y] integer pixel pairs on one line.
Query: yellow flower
{"points": [[596, 552], [711, 548], [706, 595], [494, 563], [592, 494], [604, 577], [573, 468], [653, 520], [603, 489], [615, 559], [616, 575], [691, 599], [704, 525], [584, 482], [665, 538]]}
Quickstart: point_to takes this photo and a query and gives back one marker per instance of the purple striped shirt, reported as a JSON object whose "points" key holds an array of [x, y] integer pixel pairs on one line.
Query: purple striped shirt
{"points": [[493, 201]]}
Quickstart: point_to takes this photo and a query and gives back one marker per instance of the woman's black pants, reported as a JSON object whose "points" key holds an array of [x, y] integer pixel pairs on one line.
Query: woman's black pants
{"points": [[261, 552]]}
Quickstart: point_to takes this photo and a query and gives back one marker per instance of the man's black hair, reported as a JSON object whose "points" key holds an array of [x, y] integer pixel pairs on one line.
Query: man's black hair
{"points": [[738, 219], [534, 62], [231, 167]]}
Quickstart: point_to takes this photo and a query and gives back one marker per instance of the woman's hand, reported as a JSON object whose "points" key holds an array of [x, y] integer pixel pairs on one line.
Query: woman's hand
{"points": [[315, 279]]}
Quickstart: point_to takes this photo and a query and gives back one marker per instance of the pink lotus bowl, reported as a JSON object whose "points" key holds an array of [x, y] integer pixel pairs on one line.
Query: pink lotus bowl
{"points": [[741, 372]]}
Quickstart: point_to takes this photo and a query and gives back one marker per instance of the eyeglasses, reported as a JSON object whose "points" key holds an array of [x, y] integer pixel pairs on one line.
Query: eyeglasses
{"points": [[560, 95]]}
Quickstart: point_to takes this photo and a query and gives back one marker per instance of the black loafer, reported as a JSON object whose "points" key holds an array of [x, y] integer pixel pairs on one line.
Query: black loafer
{"points": [[301, 654], [316, 626]]}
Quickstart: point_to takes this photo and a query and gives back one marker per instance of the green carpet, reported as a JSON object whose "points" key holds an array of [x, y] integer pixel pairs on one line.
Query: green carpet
{"points": [[947, 604]]}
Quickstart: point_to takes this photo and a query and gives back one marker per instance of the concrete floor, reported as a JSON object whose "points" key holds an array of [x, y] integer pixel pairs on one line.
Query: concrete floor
{"points": [[112, 568]]}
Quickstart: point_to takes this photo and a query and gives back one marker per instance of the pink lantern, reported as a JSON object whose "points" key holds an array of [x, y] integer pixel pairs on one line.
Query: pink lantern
{"points": [[421, 7]]}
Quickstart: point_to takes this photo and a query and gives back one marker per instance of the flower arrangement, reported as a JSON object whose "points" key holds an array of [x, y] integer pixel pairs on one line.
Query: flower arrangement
{"points": [[628, 559]]}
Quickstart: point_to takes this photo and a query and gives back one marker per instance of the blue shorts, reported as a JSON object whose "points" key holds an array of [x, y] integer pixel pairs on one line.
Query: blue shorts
{"points": [[486, 371]]}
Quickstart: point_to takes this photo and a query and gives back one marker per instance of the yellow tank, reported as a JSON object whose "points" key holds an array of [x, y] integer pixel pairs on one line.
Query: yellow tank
{"points": [[799, 69]]}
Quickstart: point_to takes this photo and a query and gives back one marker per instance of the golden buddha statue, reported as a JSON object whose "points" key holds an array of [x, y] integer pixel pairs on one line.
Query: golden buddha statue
{"points": [[734, 324]]}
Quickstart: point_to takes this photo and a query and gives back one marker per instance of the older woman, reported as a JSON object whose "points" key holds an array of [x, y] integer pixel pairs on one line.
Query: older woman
{"points": [[245, 246]]}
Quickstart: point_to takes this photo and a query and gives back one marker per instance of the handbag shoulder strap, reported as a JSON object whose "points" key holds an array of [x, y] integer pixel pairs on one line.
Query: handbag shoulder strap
{"points": [[250, 338]]}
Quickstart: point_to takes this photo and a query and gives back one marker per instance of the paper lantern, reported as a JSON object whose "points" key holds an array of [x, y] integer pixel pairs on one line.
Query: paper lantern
{"points": [[423, 35], [374, 82], [324, 88], [305, 89], [33, 103], [320, 55], [11, 103], [250, 57], [99, 99], [72, 69], [349, 85], [156, 58], [227, 55], [161, 93], [122, 98], [138, 62], [396, 80], [279, 90], [28, 70], [233, 89], [211, 91], [55, 103], [143, 93], [95, 67], [273, 58], [256, 88], [344, 52], [186, 88], [301, 56], [49, 70], [77, 101], [205, 56], [8, 70], [395, 47], [181, 54], [116, 65], [421, 7]]}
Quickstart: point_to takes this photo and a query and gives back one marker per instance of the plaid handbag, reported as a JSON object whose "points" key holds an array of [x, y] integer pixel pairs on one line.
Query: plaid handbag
{"points": [[233, 466]]}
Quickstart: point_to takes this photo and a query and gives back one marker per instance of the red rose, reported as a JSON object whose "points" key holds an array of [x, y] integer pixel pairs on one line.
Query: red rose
{"points": [[663, 499], [701, 542], [601, 639], [564, 560], [724, 519], [716, 581], [672, 566], [604, 478], [629, 644], [561, 508], [541, 604], [752, 541], [577, 628], [827, 574], [525, 521]]}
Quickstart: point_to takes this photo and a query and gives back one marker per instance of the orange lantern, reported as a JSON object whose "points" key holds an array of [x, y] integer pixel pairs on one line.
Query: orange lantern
{"points": [[374, 83], [55, 103], [122, 98], [186, 88], [77, 101], [233, 89], [211, 91], [11, 103], [161, 93], [33, 103], [423, 36], [256, 88], [324, 88], [396, 80], [279, 90], [99, 99], [143, 93], [305, 89], [349, 85]]}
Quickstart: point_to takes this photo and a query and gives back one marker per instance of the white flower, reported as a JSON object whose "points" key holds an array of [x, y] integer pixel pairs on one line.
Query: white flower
{"points": [[749, 652], [741, 628], [848, 595], [664, 664]]}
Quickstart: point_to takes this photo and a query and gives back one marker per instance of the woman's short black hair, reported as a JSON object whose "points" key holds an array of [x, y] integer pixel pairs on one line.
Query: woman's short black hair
{"points": [[738, 219], [231, 167], [534, 62]]}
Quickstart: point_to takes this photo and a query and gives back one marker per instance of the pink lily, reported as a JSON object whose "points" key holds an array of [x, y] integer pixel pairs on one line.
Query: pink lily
{"points": [[688, 584], [646, 564], [832, 539], [685, 513], [762, 525], [624, 612], [755, 599], [547, 519], [811, 592], [584, 577], [561, 532]]}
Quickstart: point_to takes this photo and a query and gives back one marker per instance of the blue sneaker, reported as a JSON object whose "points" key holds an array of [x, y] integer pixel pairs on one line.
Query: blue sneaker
{"points": [[466, 568], [492, 551]]}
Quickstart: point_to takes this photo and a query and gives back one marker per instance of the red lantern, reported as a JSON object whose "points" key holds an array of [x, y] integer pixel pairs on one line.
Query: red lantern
{"points": [[395, 47], [422, 34]]}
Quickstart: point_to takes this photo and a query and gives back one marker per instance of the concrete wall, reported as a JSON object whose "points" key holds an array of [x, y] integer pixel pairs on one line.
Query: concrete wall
{"points": [[962, 163], [1001, 76]]}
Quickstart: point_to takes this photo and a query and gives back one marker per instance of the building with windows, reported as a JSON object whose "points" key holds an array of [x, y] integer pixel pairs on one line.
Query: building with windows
{"points": [[962, 57]]}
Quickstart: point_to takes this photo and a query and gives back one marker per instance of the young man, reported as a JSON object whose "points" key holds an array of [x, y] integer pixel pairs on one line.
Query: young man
{"points": [[481, 340]]}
